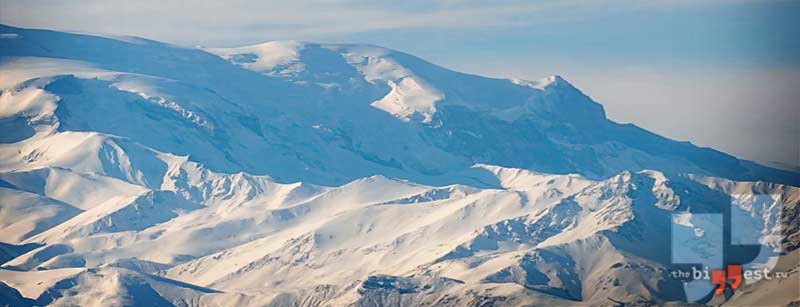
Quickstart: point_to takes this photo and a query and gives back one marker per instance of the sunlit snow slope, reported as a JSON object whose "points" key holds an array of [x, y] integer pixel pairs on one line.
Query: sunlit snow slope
{"points": [[134, 172]]}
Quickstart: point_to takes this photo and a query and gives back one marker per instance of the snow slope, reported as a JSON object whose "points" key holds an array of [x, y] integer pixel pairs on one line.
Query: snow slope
{"points": [[134, 172], [325, 113]]}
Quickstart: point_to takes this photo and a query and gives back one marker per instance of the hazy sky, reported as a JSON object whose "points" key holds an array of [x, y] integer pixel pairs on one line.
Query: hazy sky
{"points": [[724, 74]]}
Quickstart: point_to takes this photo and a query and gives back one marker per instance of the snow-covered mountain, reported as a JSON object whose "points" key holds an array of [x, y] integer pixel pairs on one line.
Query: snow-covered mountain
{"points": [[134, 172]]}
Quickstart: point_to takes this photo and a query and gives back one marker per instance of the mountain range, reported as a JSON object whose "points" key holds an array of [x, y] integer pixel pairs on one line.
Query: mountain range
{"points": [[140, 173]]}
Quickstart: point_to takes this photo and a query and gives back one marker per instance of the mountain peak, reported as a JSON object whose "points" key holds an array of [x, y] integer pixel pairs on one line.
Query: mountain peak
{"points": [[556, 80], [552, 81], [414, 90], [323, 113]]}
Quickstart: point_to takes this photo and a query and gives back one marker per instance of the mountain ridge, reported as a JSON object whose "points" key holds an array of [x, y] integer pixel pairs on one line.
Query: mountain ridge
{"points": [[164, 175], [511, 124]]}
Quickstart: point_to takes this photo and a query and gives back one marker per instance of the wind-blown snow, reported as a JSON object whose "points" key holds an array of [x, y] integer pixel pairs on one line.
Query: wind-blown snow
{"points": [[262, 57]]}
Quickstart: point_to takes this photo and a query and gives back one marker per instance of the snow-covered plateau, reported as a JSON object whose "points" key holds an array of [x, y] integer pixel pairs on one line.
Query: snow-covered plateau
{"points": [[139, 173]]}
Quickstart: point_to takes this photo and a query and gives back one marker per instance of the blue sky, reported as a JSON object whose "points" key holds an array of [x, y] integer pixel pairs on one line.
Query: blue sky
{"points": [[744, 34], [724, 74]]}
